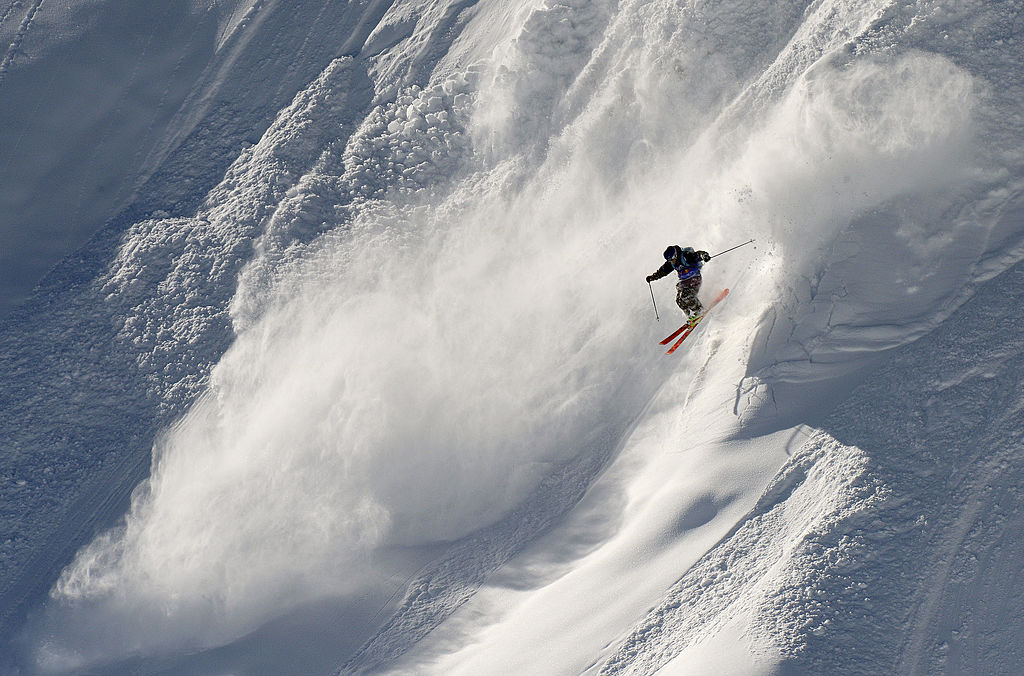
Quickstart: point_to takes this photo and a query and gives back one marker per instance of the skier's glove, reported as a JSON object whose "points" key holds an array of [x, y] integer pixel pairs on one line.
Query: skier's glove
{"points": [[704, 256], [650, 278]]}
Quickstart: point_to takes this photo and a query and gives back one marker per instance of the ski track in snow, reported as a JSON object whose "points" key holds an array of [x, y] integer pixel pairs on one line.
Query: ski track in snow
{"points": [[14, 4], [269, 234], [19, 37]]}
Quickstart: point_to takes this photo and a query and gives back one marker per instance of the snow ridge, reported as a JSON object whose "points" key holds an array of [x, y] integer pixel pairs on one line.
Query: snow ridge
{"points": [[824, 488]]}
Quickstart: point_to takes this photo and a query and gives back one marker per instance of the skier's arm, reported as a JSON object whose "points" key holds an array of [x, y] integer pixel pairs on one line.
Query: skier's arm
{"points": [[696, 257], [661, 272]]}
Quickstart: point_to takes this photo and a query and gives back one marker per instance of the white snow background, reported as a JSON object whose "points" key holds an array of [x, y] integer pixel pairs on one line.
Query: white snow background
{"points": [[346, 363]]}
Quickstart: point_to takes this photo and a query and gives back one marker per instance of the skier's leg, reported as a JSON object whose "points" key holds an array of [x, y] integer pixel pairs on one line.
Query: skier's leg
{"points": [[697, 307], [693, 306], [686, 296], [682, 299]]}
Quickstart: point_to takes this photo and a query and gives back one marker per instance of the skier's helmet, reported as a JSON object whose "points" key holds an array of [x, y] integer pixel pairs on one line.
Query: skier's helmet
{"points": [[671, 252], [685, 251]]}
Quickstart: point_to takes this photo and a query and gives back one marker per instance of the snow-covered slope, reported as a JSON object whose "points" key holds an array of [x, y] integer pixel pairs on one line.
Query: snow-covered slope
{"points": [[360, 373]]}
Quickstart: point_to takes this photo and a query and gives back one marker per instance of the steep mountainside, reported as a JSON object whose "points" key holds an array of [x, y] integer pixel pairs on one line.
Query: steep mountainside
{"points": [[353, 368]]}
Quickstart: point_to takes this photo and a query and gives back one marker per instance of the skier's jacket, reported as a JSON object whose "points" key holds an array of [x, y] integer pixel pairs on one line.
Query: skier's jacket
{"points": [[686, 262]]}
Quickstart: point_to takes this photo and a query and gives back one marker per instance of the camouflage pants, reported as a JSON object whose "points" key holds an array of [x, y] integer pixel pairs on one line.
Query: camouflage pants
{"points": [[686, 296]]}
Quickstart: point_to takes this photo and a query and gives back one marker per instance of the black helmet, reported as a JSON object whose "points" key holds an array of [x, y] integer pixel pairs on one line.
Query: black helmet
{"points": [[672, 252]]}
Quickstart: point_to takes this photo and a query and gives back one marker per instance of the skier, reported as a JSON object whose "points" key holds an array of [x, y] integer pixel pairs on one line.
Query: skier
{"points": [[687, 263]]}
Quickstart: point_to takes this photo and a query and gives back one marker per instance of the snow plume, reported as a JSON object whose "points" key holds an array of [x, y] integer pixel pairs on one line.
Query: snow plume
{"points": [[411, 382], [861, 133], [414, 363], [848, 140], [855, 176]]}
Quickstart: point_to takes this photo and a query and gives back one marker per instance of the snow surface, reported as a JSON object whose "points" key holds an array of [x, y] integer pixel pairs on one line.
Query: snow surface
{"points": [[346, 363]]}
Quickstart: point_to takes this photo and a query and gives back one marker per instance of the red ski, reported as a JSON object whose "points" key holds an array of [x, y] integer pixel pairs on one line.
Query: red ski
{"points": [[675, 333], [687, 328]]}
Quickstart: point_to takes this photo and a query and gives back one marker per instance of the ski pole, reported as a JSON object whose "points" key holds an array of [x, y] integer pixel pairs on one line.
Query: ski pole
{"points": [[654, 301], [735, 247]]}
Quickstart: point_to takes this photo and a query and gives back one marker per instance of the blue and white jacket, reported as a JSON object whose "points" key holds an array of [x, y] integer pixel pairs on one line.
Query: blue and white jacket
{"points": [[686, 262]]}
